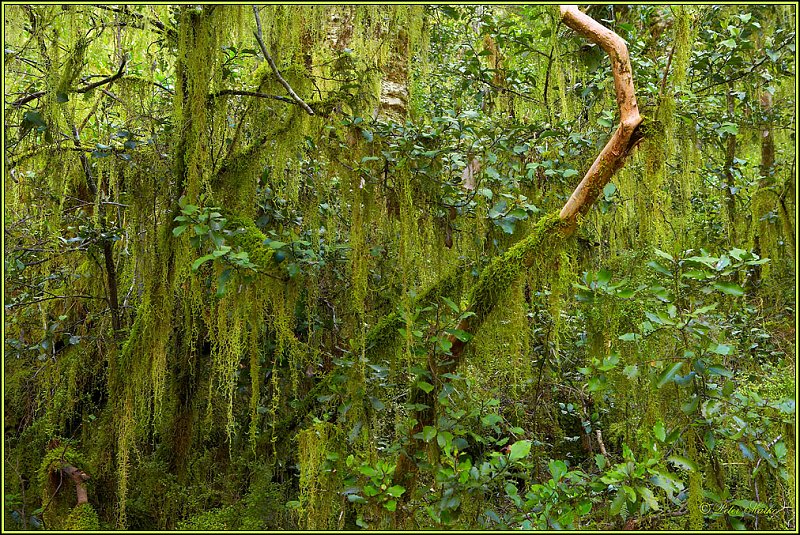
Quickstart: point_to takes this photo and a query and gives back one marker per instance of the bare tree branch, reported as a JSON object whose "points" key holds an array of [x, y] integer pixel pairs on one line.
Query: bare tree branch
{"points": [[252, 94], [627, 135], [259, 35], [85, 89]]}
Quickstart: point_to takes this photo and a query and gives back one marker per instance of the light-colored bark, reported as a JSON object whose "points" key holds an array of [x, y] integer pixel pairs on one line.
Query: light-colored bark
{"points": [[627, 135]]}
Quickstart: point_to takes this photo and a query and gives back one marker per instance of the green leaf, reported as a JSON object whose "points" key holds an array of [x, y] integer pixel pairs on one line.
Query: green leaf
{"points": [[222, 251], [391, 505], [355, 498], [721, 349], [629, 337], [631, 371], [600, 461], [609, 190], [684, 463], [664, 255], [177, 231], [690, 406], [368, 471], [498, 208], [519, 213], [200, 261], [396, 491], [618, 503], [464, 336], [569, 173], [668, 374], [507, 224], [557, 469], [452, 305], [659, 432], [736, 523], [428, 433], [658, 267], [709, 440], [444, 439], [648, 497], [519, 450], [427, 387], [719, 369], [730, 288]]}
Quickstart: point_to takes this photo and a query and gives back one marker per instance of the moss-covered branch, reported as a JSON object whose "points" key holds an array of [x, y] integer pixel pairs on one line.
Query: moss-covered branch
{"points": [[500, 274]]}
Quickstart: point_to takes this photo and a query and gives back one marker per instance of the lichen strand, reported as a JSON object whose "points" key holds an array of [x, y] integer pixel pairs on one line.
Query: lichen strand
{"points": [[320, 503]]}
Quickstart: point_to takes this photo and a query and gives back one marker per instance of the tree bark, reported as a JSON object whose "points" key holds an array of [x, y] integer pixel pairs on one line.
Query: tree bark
{"points": [[627, 135]]}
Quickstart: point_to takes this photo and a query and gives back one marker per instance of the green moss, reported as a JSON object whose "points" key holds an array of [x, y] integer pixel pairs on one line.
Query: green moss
{"points": [[249, 238], [83, 517], [58, 492], [504, 269]]}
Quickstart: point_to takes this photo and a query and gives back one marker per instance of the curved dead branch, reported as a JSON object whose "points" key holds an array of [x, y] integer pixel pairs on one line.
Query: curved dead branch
{"points": [[627, 135], [260, 38]]}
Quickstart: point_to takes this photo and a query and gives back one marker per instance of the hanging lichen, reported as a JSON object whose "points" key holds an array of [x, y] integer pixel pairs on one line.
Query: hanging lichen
{"points": [[317, 454]]}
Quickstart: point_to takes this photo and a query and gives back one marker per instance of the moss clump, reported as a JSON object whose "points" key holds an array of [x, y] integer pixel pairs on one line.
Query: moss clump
{"points": [[82, 518], [249, 238]]}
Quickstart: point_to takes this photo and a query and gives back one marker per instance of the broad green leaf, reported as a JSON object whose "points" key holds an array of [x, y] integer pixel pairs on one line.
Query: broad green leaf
{"points": [[427, 387], [721, 349], [664, 255], [709, 440], [395, 491], [648, 497], [719, 369], [659, 432], [631, 371], [668, 374], [730, 288], [658, 267], [368, 471], [617, 503], [557, 469], [200, 261], [684, 463], [428, 432], [600, 461], [464, 336], [452, 305], [519, 450]]}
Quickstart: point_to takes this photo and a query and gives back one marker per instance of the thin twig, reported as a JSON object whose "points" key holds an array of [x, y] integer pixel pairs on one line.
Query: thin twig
{"points": [[244, 93], [260, 38], [24, 100]]}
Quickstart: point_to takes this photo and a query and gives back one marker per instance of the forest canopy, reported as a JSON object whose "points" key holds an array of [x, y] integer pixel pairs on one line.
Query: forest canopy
{"points": [[406, 267]]}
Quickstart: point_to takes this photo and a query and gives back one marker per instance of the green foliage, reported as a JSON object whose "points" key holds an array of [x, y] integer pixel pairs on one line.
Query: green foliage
{"points": [[373, 317]]}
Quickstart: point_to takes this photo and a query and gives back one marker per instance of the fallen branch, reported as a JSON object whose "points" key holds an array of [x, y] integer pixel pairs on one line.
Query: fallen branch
{"points": [[260, 38]]}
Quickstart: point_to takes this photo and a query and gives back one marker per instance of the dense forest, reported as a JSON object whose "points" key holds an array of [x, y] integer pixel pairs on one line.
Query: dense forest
{"points": [[399, 267]]}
